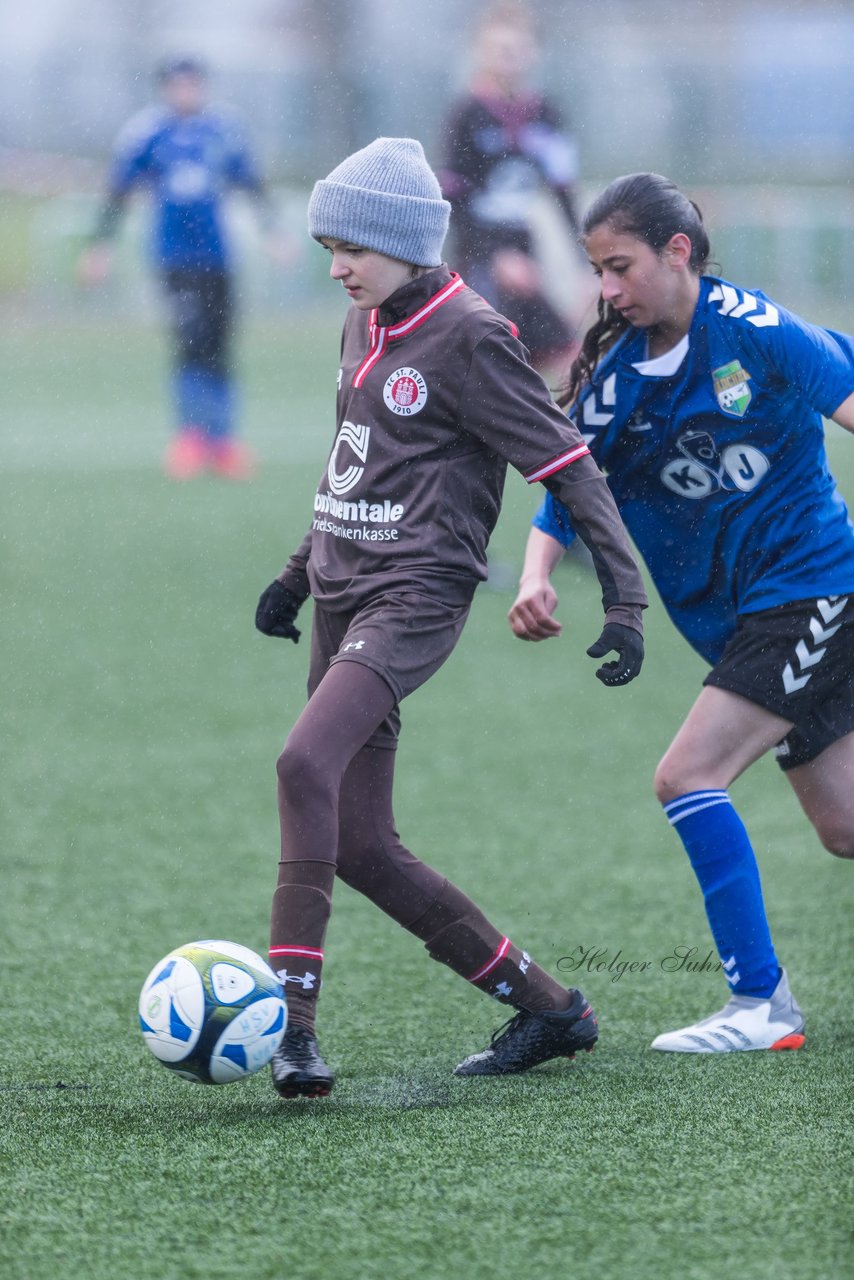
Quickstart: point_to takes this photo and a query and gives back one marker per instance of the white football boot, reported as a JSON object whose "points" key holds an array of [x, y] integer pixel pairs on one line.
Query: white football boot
{"points": [[747, 1022]]}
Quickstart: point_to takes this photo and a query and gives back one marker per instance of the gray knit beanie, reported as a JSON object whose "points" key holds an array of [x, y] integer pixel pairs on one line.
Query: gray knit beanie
{"points": [[384, 197]]}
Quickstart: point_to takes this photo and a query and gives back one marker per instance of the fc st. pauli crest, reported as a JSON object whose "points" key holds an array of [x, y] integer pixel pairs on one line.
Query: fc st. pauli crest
{"points": [[405, 392], [731, 389]]}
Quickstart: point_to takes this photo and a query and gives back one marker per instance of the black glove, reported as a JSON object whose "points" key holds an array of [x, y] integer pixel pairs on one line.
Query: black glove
{"points": [[277, 611], [629, 645]]}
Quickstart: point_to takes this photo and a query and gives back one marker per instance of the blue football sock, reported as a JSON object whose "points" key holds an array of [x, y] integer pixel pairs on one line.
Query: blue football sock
{"points": [[220, 406], [204, 400], [722, 856], [190, 396]]}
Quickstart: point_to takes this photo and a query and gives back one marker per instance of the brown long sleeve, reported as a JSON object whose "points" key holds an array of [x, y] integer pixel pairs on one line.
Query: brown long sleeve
{"points": [[583, 490], [294, 576]]}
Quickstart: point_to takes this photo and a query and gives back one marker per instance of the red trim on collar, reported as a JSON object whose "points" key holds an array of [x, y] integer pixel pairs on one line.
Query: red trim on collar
{"points": [[382, 335], [378, 344], [454, 285]]}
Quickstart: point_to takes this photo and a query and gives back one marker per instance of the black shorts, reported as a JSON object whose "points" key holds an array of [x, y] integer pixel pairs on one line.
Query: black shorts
{"points": [[403, 636], [796, 660], [202, 313]]}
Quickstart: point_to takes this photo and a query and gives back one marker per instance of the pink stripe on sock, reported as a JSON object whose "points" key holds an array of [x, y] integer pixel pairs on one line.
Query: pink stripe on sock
{"points": [[311, 953], [490, 964]]}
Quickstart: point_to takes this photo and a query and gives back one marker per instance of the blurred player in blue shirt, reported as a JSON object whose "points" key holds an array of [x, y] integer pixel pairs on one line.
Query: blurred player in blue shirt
{"points": [[188, 155], [703, 403]]}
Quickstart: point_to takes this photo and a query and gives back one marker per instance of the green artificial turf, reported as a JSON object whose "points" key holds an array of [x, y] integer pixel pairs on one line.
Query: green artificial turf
{"points": [[141, 718]]}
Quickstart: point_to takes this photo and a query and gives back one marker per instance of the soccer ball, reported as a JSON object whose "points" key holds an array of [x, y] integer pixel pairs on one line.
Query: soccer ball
{"points": [[213, 1012]]}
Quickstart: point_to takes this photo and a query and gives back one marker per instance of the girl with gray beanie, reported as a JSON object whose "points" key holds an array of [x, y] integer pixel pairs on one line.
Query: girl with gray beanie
{"points": [[435, 397]]}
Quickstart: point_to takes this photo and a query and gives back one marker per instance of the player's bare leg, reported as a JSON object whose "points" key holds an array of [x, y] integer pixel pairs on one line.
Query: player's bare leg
{"points": [[825, 788], [722, 735]]}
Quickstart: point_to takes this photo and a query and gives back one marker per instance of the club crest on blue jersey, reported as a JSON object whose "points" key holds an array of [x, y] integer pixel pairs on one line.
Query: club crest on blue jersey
{"points": [[405, 392], [731, 389]]}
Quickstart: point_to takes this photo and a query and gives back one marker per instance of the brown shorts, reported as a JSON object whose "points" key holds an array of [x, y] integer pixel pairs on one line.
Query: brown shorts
{"points": [[403, 636]]}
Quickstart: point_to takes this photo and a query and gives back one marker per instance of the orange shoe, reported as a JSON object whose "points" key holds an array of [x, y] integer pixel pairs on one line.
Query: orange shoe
{"points": [[231, 458], [187, 455]]}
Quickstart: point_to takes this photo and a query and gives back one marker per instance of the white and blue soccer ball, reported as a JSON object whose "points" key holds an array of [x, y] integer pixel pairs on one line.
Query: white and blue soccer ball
{"points": [[213, 1012]]}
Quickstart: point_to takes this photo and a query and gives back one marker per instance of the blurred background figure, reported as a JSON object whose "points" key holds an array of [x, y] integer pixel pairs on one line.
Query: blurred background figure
{"points": [[503, 146], [189, 154]]}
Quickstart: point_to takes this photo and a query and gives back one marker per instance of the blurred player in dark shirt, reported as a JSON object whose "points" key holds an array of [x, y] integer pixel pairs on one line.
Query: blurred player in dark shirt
{"points": [[504, 144]]}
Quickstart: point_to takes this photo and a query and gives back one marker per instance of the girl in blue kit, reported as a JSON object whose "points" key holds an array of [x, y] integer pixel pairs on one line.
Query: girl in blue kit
{"points": [[188, 155], [703, 403]]}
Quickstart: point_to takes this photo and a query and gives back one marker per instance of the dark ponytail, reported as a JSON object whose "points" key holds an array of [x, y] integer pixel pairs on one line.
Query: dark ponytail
{"points": [[599, 338], [652, 209]]}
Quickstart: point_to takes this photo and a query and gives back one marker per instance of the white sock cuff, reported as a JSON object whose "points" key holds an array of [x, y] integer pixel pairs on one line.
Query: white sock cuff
{"points": [[693, 802]]}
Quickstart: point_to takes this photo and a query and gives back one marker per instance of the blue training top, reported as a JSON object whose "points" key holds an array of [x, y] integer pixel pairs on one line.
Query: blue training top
{"points": [[715, 456], [188, 162]]}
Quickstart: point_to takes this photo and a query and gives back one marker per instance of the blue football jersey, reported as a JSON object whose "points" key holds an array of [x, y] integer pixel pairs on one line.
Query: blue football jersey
{"points": [[717, 463], [188, 162]]}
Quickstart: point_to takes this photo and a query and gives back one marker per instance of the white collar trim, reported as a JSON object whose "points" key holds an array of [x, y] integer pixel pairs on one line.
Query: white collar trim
{"points": [[665, 365]]}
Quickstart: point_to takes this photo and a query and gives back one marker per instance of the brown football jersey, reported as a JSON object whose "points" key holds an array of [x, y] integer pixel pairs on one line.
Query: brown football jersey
{"points": [[435, 399]]}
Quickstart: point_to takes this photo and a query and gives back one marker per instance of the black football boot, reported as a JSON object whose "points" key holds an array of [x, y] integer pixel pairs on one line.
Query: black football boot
{"points": [[298, 1069], [529, 1039]]}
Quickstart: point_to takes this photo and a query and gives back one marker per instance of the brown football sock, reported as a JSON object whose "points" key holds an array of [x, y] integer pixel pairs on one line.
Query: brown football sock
{"points": [[301, 906], [458, 934]]}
